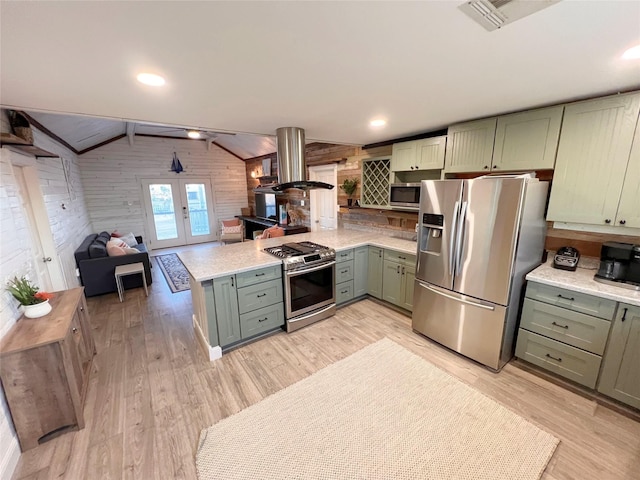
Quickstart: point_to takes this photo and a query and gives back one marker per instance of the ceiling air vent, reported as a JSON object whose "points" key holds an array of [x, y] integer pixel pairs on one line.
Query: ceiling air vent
{"points": [[495, 14]]}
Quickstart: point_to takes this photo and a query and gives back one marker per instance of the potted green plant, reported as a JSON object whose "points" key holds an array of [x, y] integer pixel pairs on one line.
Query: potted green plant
{"points": [[349, 186], [34, 303]]}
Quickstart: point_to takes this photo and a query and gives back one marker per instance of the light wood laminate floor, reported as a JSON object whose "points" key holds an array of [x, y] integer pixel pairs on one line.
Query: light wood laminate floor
{"points": [[151, 391]]}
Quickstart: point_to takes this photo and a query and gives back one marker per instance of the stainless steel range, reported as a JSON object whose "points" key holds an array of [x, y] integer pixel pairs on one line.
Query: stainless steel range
{"points": [[309, 282]]}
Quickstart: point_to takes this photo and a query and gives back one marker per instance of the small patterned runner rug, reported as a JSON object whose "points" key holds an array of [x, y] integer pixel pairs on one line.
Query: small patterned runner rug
{"points": [[174, 272], [382, 413]]}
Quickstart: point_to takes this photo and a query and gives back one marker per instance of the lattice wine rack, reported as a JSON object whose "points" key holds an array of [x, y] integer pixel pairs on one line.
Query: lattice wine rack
{"points": [[375, 182]]}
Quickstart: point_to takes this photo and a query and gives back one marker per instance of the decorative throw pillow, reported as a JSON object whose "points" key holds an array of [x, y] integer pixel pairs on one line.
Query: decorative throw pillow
{"points": [[115, 234], [113, 250], [234, 229], [129, 239], [130, 251], [118, 242], [231, 223]]}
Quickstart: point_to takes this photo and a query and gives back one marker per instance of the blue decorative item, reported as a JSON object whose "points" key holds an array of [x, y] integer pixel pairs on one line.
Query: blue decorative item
{"points": [[176, 166]]}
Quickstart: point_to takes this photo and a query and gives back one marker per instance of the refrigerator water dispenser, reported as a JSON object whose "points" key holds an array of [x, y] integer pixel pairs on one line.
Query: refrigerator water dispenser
{"points": [[431, 233]]}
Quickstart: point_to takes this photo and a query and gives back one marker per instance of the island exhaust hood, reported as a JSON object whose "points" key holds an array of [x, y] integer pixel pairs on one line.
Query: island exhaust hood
{"points": [[292, 168]]}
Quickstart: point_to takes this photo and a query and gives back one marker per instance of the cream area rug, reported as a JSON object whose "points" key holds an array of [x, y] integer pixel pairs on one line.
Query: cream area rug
{"points": [[381, 413]]}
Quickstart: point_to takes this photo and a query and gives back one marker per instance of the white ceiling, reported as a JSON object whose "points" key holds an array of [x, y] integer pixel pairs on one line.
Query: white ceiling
{"points": [[328, 67]]}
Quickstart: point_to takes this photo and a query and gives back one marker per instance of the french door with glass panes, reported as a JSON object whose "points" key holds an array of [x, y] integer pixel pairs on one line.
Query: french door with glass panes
{"points": [[179, 211]]}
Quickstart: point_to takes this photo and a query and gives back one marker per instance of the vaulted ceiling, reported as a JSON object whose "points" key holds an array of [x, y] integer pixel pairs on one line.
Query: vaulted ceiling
{"points": [[328, 67]]}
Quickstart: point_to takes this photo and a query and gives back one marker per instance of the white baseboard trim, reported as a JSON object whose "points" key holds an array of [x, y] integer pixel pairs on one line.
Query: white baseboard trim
{"points": [[214, 353], [10, 459]]}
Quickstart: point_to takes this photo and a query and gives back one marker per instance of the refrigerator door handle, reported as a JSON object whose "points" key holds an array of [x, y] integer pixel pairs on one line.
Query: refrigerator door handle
{"points": [[468, 302], [454, 223], [460, 233]]}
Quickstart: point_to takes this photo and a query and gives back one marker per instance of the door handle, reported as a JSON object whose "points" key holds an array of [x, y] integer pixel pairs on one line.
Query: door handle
{"points": [[452, 241], [461, 300], [398, 269], [46, 259], [403, 270], [460, 235]]}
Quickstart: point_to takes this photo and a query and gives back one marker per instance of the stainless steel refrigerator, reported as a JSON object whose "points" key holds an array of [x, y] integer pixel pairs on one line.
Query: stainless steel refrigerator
{"points": [[477, 240]]}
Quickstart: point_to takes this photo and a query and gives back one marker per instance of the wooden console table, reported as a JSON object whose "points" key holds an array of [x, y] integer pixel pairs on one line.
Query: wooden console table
{"points": [[44, 365], [252, 224]]}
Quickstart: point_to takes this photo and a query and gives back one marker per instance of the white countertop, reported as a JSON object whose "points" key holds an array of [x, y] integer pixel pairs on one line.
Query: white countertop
{"points": [[206, 263], [582, 281]]}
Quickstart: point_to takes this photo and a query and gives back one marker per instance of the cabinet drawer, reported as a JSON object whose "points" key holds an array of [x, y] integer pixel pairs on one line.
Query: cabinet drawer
{"points": [[570, 362], [399, 257], [260, 275], [344, 256], [580, 302], [262, 320], [344, 272], [260, 295], [577, 329], [344, 292]]}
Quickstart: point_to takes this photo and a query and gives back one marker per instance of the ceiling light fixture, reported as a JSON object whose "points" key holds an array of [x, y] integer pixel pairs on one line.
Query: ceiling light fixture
{"points": [[151, 79], [632, 54], [193, 134], [378, 123]]}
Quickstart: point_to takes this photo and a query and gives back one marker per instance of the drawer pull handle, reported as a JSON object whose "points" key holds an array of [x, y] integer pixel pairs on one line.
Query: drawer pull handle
{"points": [[554, 358], [624, 315], [262, 295], [259, 274], [566, 298], [74, 330], [402, 258], [344, 291], [344, 271], [263, 319], [344, 255], [561, 326]]}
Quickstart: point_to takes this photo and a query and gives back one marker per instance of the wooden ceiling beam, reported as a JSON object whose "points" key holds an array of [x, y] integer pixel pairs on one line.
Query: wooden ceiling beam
{"points": [[48, 132]]}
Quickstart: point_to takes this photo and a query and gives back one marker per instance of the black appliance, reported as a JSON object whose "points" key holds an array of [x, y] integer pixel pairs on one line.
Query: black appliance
{"points": [[566, 258], [619, 265], [266, 206], [309, 272]]}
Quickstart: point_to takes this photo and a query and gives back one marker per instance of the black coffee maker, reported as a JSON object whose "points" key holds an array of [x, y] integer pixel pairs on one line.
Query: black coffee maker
{"points": [[620, 264]]}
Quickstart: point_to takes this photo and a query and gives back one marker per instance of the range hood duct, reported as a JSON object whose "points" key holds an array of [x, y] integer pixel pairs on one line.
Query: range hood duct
{"points": [[292, 167]]}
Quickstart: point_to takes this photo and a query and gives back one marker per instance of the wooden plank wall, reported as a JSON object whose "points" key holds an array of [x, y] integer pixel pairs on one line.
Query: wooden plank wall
{"points": [[68, 226], [112, 175]]}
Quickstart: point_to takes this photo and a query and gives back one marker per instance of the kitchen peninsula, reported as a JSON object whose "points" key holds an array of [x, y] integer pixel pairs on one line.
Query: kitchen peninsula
{"points": [[225, 281]]}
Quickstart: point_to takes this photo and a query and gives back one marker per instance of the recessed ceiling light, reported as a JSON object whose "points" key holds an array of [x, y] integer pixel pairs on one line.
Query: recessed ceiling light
{"points": [[378, 123], [151, 79], [193, 134], [632, 54]]}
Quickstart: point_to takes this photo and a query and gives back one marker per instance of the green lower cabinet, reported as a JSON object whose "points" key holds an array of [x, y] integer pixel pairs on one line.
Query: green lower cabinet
{"points": [[408, 280], [262, 320], [392, 283], [227, 313], [620, 375], [374, 275], [344, 292], [361, 264]]}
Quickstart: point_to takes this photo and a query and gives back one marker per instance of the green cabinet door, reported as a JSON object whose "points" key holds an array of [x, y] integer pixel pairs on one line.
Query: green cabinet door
{"points": [[620, 376], [593, 154], [227, 314], [210, 308], [470, 146], [392, 282], [361, 264], [408, 277], [374, 277]]}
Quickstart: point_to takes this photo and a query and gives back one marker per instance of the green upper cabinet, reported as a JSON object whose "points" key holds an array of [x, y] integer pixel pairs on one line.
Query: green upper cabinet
{"points": [[423, 154], [595, 161], [527, 140], [620, 375], [470, 146], [227, 313]]}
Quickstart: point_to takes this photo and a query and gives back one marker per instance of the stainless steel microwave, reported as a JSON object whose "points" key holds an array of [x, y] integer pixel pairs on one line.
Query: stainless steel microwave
{"points": [[406, 195]]}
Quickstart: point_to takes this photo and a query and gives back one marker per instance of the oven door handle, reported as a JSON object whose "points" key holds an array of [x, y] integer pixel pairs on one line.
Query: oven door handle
{"points": [[295, 273]]}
